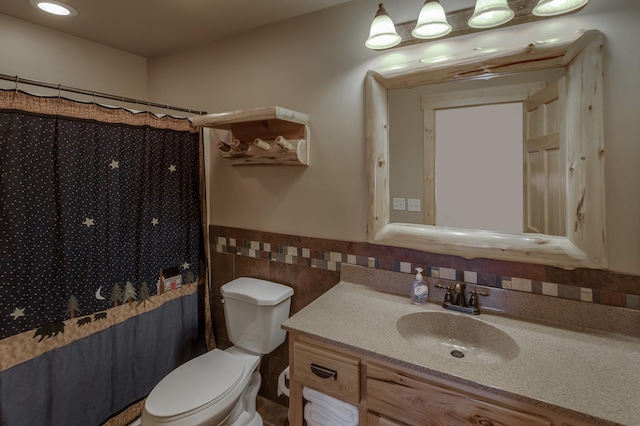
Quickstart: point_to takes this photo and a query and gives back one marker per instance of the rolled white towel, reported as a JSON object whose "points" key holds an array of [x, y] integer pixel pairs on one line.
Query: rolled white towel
{"points": [[318, 416], [341, 410]]}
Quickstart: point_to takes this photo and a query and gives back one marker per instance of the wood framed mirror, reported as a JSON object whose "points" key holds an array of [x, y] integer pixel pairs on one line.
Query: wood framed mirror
{"points": [[581, 159]]}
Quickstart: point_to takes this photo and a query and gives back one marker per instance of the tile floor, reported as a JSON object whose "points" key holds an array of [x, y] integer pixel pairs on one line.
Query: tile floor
{"points": [[272, 414]]}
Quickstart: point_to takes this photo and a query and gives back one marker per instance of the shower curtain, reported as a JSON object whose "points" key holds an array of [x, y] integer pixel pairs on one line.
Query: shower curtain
{"points": [[101, 257]]}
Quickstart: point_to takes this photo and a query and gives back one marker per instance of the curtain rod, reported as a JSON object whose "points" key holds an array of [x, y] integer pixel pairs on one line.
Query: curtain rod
{"points": [[60, 87]]}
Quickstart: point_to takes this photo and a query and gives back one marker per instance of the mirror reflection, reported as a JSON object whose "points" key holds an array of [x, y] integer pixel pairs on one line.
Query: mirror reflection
{"points": [[478, 177]]}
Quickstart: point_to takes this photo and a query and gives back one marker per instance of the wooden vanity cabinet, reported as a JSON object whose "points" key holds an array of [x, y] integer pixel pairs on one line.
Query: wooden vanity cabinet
{"points": [[389, 395], [417, 401]]}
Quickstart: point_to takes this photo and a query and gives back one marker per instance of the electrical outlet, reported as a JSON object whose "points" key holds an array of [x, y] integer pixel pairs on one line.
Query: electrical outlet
{"points": [[398, 204], [413, 204]]}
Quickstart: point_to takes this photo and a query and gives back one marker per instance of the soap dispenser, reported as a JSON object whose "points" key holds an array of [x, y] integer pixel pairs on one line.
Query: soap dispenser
{"points": [[419, 289]]}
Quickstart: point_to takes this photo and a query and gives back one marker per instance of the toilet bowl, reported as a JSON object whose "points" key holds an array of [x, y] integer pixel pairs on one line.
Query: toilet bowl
{"points": [[221, 387]]}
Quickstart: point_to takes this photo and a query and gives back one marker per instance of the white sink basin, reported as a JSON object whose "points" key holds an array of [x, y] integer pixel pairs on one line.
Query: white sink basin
{"points": [[457, 336]]}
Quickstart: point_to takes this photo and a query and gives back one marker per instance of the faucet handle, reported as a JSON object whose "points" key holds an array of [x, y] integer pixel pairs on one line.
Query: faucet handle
{"points": [[448, 297], [483, 292], [473, 299]]}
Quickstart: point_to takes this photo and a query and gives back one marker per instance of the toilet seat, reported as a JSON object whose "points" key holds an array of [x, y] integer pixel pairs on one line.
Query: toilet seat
{"points": [[196, 385]]}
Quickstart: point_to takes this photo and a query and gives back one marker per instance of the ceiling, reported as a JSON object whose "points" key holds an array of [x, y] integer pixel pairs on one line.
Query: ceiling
{"points": [[154, 27]]}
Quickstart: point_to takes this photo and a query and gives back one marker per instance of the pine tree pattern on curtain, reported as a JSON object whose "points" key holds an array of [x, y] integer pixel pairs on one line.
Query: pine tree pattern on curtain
{"points": [[90, 213]]}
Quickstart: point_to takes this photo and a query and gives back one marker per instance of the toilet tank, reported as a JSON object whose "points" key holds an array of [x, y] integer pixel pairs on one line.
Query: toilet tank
{"points": [[254, 310]]}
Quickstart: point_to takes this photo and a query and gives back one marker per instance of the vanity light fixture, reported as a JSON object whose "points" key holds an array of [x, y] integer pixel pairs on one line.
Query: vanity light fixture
{"points": [[432, 21], [54, 7], [383, 33], [557, 7], [490, 13]]}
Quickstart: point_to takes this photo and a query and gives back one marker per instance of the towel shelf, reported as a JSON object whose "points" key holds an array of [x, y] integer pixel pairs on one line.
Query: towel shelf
{"points": [[271, 135]]}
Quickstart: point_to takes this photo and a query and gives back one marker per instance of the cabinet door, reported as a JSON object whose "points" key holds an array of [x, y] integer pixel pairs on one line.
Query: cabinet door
{"points": [[417, 402]]}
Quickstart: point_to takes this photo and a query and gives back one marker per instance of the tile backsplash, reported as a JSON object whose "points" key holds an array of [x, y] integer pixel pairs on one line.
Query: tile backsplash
{"points": [[311, 266], [585, 285]]}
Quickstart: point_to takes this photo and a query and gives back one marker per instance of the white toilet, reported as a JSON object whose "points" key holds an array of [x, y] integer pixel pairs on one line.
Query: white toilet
{"points": [[221, 387]]}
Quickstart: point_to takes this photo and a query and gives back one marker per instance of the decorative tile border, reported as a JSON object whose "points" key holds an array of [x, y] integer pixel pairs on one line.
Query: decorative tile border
{"points": [[332, 260], [329, 260]]}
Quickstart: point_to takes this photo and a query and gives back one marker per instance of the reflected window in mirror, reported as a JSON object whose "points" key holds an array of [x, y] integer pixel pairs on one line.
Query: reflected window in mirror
{"points": [[464, 154], [478, 174]]}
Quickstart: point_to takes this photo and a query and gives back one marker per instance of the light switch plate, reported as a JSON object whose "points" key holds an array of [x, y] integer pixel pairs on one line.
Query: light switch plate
{"points": [[399, 204], [413, 204]]}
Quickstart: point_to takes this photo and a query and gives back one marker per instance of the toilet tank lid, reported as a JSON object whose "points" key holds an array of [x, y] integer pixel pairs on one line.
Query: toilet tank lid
{"points": [[254, 290]]}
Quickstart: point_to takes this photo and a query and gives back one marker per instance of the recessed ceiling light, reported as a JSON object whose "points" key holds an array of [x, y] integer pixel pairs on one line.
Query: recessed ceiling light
{"points": [[54, 7]]}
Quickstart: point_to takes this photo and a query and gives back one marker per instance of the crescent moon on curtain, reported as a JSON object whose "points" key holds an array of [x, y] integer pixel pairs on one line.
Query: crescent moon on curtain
{"points": [[98, 295]]}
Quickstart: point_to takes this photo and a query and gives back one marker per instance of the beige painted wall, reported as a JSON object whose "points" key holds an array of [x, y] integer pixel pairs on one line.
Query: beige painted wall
{"points": [[316, 64], [34, 52]]}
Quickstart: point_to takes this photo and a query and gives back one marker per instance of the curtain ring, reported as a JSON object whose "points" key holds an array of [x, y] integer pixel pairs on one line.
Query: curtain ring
{"points": [[17, 82]]}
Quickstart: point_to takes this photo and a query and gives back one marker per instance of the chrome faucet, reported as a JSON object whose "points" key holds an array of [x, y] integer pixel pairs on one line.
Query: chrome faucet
{"points": [[455, 298]]}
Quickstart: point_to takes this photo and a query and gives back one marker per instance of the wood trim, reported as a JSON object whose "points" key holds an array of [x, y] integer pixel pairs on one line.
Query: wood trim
{"points": [[586, 200], [377, 144], [527, 58], [563, 252]]}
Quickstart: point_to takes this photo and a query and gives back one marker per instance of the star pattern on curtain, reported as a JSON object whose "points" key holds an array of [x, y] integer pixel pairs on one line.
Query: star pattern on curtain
{"points": [[17, 313], [74, 229]]}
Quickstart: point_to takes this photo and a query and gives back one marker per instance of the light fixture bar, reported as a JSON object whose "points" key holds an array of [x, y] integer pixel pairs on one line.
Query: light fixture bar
{"points": [[458, 20]]}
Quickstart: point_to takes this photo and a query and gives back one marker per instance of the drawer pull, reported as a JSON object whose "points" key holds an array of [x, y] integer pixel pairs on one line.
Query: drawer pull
{"points": [[324, 372]]}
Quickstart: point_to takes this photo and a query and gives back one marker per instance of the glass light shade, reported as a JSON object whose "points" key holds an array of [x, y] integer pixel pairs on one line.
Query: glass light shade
{"points": [[557, 7], [490, 13], [54, 7], [383, 33], [432, 21]]}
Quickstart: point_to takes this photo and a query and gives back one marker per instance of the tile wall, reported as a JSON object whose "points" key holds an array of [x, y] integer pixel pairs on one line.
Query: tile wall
{"points": [[311, 266]]}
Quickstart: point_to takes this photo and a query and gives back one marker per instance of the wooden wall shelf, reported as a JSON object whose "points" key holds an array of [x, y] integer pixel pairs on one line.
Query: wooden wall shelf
{"points": [[272, 135]]}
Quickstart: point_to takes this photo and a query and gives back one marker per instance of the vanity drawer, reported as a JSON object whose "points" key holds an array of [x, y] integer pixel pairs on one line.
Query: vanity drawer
{"points": [[329, 372], [417, 402]]}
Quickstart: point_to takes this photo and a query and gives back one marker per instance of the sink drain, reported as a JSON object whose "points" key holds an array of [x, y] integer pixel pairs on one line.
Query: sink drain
{"points": [[456, 353]]}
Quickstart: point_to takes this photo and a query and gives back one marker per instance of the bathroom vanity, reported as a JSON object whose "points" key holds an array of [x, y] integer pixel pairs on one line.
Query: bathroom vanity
{"points": [[399, 363]]}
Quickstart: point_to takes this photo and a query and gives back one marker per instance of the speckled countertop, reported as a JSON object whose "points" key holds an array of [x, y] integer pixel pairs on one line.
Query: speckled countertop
{"points": [[593, 373]]}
